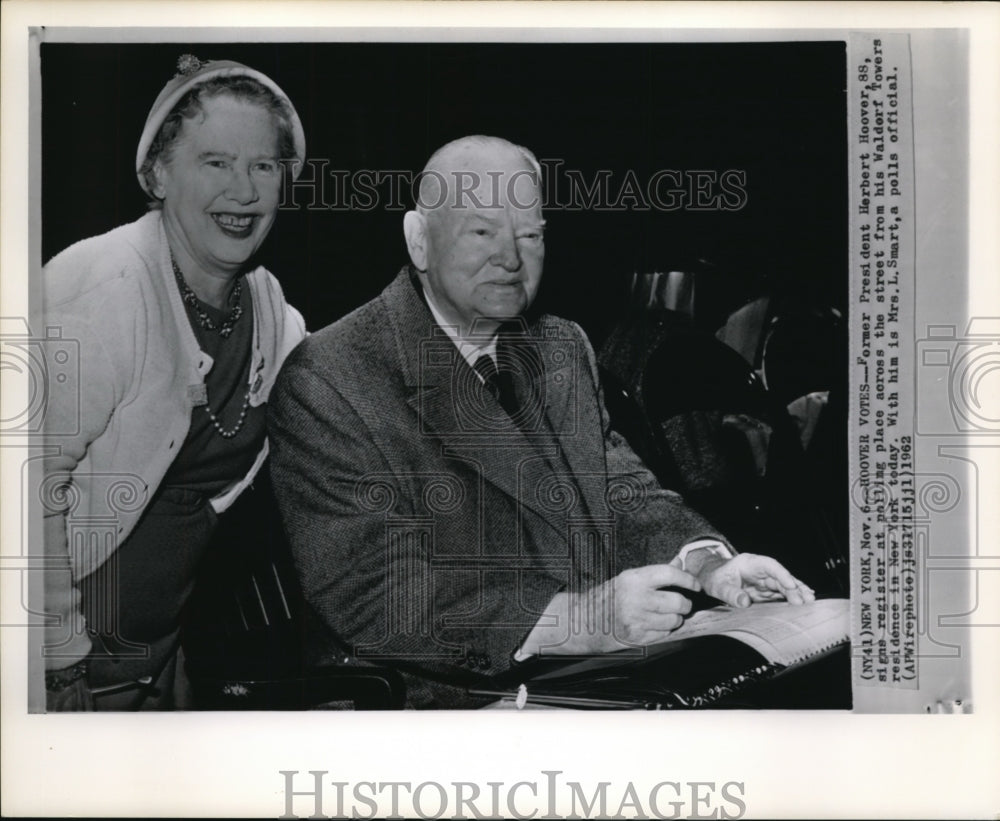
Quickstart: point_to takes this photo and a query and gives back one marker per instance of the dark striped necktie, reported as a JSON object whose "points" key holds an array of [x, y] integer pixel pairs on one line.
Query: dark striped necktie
{"points": [[497, 382]]}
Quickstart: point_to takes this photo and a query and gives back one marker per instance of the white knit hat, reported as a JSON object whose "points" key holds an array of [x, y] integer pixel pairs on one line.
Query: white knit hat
{"points": [[191, 72]]}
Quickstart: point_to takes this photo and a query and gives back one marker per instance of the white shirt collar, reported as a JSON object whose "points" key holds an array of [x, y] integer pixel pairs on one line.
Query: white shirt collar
{"points": [[471, 348]]}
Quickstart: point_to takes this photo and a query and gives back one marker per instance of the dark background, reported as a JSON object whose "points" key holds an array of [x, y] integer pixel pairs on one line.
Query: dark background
{"points": [[774, 110]]}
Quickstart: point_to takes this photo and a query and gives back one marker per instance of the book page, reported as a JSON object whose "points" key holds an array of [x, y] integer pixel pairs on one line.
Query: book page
{"points": [[781, 632]]}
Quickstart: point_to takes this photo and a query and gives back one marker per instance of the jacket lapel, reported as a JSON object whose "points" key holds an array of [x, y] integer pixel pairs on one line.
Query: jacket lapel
{"points": [[453, 410], [570, 415], [470, 425]]}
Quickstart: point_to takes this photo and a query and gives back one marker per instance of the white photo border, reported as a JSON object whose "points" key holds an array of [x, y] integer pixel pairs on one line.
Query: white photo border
{"points": [[790, 764]]}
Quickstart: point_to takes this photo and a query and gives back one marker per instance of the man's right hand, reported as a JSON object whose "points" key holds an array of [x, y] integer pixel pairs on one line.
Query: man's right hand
{"points": [[631, 610], [645, 612]]}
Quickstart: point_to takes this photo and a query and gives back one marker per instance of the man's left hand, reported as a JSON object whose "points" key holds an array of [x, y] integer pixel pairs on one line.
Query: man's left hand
{"points": [[749, 578]]}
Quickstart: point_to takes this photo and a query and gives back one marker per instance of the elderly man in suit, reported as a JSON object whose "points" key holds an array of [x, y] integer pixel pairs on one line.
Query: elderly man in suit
{"points": [[454, 496]]}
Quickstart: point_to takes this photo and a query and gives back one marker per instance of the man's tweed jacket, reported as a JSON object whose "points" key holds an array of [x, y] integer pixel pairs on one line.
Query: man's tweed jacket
{"points": [[430, 531]]}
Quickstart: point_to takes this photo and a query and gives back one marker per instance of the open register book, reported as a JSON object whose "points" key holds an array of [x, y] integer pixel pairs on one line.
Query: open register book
{"points": [[715, 653]]}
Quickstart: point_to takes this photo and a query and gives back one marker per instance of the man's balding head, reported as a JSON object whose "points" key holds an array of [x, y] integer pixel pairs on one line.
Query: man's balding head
{"points": [[453, 174], [476, 234]]}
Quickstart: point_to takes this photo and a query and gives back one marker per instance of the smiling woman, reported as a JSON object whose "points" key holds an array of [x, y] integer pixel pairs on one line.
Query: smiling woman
{"points": [[219, 188], [180, 335]]}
